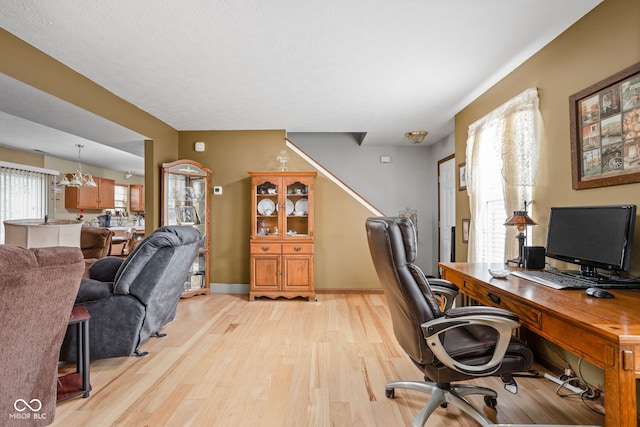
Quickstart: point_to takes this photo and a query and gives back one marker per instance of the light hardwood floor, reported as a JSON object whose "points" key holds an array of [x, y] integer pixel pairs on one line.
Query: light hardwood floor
{"points": [[230, 362]]}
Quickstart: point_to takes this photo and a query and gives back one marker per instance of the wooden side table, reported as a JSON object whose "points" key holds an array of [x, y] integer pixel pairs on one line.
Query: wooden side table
{"points": [[77, 383]]}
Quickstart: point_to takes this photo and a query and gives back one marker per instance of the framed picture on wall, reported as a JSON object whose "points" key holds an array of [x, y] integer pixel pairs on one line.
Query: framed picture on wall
{"points": [[605, 131], [465, 230], [462, 176]]}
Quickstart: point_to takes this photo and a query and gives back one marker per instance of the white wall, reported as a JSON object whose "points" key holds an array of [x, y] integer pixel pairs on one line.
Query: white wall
{"points": [[408, 181]]}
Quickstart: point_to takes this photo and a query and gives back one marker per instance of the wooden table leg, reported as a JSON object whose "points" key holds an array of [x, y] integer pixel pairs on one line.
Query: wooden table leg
{"points": [[620, 388]]}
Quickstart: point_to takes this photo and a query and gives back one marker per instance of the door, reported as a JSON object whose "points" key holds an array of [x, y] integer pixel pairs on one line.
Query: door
{"points": [[446, 206]]}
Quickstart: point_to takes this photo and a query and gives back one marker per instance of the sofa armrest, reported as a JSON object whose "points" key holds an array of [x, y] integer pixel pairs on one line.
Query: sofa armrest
{"points": [[105, 269], [503, 321], [93, 290]]}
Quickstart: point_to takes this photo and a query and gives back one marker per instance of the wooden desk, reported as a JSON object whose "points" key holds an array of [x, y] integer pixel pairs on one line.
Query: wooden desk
{"points": [[604, 331]]}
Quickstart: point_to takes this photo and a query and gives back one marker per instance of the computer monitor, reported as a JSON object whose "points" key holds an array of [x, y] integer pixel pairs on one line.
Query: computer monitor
{"points": [[592, 237]]}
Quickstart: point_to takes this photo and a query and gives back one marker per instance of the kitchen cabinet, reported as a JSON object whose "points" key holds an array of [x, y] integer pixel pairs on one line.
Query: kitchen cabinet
{"points": [[136, 198], [100, 197], [282, 239]]}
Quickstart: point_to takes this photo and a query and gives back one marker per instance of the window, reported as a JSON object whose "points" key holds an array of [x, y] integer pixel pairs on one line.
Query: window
{"points": [[24, 193], [120, 198], [502, 160]]}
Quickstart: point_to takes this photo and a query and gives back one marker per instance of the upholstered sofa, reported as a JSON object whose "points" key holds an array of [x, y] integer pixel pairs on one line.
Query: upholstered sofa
{"points": [[95, 243], [37, 290], [130, 299]]}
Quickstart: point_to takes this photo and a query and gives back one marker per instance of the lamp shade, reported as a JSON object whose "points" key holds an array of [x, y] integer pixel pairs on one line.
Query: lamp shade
{"points": [[520, 219]]}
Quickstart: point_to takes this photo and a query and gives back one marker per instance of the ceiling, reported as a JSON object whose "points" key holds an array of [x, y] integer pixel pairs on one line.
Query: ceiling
{"points": [[376, 68]]}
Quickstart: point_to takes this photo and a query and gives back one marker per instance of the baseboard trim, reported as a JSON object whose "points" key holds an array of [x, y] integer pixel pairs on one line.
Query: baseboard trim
{"points": [[229, 288], [243, 289], [348, 291]]}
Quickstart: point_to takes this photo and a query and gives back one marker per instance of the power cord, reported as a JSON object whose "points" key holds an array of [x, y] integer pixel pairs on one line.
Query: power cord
{"points": [[587, 392]]}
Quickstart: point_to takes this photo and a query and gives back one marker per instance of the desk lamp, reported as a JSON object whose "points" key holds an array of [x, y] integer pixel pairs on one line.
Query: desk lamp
{"points": [[520, 219]]}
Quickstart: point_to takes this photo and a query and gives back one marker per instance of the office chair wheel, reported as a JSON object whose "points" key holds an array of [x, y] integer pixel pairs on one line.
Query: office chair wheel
{"points": [[491, 402], [390, 393]]}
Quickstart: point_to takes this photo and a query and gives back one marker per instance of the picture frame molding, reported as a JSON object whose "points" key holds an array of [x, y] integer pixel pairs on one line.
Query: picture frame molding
{"points": [[462, 176], [579, 130], [466, 223]]}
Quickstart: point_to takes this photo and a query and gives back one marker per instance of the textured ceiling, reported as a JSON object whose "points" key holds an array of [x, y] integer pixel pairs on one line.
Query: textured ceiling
{"points": [[377, 67]]}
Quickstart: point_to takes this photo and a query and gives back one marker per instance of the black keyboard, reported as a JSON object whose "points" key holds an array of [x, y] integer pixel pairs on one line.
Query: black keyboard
{"points": [[559, 280]]}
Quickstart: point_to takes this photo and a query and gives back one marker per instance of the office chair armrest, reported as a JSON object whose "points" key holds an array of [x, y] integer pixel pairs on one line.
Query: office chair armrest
{"points": [[442, 283], [480, 310], [500, 320], [445, 290]]}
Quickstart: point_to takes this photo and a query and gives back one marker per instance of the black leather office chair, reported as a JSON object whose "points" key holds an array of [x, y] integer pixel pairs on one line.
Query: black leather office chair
{"points": [[446, 344]]}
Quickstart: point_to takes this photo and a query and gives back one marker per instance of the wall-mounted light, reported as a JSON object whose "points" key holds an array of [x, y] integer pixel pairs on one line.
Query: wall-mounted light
{"points": [[199, 146], [128, 175]]}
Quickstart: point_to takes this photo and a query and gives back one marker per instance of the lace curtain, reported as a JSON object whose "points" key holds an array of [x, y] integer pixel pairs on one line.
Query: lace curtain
{"points": [[505, 140]]}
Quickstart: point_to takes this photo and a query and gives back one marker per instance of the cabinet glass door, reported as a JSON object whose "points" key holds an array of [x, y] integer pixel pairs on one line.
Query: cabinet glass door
{"points": [[267, 207], [186, 202], [297, 209]]}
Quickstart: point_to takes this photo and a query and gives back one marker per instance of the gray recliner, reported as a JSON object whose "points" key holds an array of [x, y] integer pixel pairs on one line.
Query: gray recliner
{"points": [[447, 344], [130, 299]]}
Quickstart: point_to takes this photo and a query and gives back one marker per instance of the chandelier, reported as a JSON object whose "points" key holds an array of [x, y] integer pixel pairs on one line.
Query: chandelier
{"points": [[79, 179]]}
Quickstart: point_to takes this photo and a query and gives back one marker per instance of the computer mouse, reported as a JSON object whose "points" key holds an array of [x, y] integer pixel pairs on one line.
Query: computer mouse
{"points": [[598, 293]]}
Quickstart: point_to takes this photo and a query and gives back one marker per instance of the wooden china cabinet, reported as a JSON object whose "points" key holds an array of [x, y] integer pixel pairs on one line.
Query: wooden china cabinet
{"points": [[185, 201], [282, 239]]}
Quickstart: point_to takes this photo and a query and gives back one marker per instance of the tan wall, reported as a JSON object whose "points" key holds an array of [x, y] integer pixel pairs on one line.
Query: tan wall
{"points": [[604, 42], [342, 256], [21, 157]]}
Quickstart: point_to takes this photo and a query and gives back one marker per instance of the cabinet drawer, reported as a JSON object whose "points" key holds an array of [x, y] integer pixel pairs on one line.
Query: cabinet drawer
{"points": [[297, 248], [529, 316], [266, 248]]}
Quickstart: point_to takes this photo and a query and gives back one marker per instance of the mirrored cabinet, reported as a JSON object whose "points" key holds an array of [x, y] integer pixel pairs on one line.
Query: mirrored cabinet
{"points": [[185, 199], [282, 239]]}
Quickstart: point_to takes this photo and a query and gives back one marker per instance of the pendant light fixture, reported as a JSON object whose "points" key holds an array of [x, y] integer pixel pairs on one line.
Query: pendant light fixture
{"points": [[79, 179]]}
